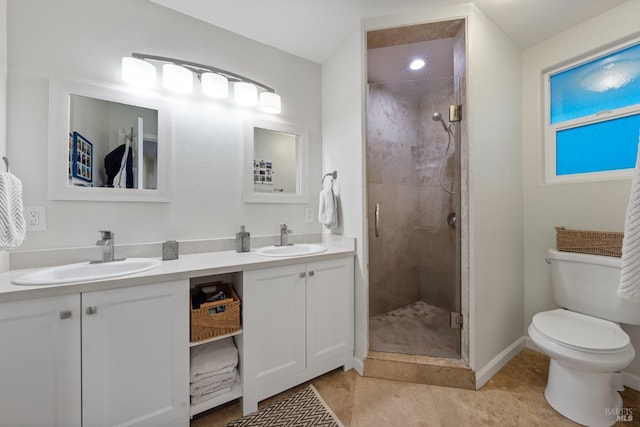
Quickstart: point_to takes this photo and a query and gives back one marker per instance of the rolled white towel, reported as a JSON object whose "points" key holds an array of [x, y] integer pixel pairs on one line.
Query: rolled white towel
{"points": [[12, 224], [212, 357]]}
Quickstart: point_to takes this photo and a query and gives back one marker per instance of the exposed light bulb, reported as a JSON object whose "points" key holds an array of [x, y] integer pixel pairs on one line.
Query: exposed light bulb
{"points": [[215, 85], [417, 64], [270, 103], [138, 72], [245, 93], [177, 78]]}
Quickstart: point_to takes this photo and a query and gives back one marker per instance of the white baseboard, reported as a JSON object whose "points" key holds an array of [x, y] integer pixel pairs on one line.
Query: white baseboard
{"points": [[490, 369], [358, 365], [631, 381], [531, 345]]}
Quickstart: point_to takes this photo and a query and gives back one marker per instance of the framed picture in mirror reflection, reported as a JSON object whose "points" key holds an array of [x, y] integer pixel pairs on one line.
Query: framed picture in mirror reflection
{"points": [[81, 162]]}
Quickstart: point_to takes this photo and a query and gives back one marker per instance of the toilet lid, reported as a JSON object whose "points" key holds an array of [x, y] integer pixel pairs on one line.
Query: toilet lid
{"points": [[580, 331]]}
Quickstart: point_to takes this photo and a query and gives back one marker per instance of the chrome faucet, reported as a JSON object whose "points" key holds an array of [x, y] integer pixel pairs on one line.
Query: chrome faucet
{"points": [[107, 245], [284, 235]]}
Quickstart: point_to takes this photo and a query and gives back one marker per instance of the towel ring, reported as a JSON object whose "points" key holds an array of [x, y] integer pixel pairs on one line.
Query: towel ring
{"points": [[333, 175], [6, 162]]}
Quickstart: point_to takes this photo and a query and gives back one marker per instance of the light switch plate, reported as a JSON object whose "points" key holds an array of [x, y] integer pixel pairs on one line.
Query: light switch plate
{"points": [[308, 214]]}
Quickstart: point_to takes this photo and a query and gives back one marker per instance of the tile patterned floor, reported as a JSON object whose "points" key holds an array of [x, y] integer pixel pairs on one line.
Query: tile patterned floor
{"points": [[417, 328], [513, 397]]}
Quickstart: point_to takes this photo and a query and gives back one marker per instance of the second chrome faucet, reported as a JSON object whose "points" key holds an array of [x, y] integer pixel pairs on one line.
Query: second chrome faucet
{"points": [[284, 235], [107, 243]]}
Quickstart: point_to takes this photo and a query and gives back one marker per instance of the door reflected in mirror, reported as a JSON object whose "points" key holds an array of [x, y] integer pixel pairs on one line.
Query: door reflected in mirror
{"points": [[112, 145]]}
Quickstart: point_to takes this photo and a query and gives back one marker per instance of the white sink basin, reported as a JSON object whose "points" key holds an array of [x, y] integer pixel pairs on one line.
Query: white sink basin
{"points": [[293, 250], [85, 271]]}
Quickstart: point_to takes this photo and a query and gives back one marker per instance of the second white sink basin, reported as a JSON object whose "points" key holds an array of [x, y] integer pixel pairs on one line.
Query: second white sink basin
{"points": [[85, 271], [293, 250]]}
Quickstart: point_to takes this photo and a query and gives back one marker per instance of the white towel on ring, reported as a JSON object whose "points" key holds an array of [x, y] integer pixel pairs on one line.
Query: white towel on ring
{"points": [[629, 286], [327, 210], [12, 224]]}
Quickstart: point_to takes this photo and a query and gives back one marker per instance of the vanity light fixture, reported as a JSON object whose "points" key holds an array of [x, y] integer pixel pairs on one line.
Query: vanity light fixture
{"points": [[138, 72], [177, 78], [245, 94], [270, 102], [215, 85], [177, 75]]}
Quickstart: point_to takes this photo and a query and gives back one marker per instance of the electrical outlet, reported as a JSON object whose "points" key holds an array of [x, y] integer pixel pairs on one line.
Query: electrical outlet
{"points": [[36, 218], [308, 214]]}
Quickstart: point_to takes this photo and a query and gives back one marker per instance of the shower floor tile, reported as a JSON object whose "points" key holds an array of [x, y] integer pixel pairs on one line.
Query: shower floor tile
{"points": [[417, 328]]}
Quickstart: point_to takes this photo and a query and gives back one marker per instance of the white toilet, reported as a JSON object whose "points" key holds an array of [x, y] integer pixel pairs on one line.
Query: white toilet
{"points": [[584, 339]]}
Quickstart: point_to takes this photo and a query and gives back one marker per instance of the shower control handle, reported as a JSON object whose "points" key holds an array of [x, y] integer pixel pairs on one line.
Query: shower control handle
{"points": [[377, 220]]}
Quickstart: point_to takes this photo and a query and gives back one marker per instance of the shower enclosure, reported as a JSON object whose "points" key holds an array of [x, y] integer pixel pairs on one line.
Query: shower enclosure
{"points": [[413, 196]]}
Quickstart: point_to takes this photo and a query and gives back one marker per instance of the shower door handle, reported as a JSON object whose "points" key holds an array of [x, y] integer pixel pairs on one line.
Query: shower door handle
{"points": [[377, 220]]}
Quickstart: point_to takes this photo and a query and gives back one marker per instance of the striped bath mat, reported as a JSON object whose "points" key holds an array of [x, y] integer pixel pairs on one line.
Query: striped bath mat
{"points": [[304, 408]]}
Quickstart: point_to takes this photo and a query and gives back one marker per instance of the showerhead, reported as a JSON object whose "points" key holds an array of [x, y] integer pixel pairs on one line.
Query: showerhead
{"points": [[438, 118]]}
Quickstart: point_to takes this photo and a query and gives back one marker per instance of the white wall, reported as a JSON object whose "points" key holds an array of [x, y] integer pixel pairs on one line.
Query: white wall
{"points": [[591, 206], [343, 151], [495, 178], [495, 190], [84, 40]]}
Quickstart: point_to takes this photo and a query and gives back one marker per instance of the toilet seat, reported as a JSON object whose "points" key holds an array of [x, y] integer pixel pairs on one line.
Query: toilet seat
{"points": [[580, 332]]}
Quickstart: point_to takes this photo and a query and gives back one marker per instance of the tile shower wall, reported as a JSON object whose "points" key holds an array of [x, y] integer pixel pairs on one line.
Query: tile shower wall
{"points": [[413, 257], [437, 239]]}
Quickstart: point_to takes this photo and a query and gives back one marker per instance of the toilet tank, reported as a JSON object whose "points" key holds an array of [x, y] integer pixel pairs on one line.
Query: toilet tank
{"points": [[588, 284]]}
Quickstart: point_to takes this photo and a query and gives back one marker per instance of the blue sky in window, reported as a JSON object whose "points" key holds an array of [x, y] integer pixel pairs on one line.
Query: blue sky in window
{"points": [[604, 146], [606, 83]]}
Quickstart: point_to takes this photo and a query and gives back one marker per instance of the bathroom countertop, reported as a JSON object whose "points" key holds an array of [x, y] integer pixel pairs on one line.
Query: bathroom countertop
{"points": [[183, 268]]}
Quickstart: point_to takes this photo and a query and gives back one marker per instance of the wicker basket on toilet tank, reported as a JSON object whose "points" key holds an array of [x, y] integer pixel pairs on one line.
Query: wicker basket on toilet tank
{"points": [[607, 243]]}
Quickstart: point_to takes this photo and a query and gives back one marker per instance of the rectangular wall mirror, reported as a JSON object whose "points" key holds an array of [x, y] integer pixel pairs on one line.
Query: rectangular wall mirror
{"points": [[107, 145], [275, 163]]}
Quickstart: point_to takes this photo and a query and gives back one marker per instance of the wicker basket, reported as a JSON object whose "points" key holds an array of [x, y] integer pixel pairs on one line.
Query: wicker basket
{"points": [[216, 318], [589, 242]]}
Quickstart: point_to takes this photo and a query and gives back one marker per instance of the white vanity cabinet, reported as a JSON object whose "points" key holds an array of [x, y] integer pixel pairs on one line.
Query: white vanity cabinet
{"points": [[40, 382], [297, 324], [135, 356], [100, 358]]}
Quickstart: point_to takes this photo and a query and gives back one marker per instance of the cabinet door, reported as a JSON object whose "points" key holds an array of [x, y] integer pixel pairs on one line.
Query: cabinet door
{"points": [[40, 362], [135, 349], [273, 318], [329, 309]]}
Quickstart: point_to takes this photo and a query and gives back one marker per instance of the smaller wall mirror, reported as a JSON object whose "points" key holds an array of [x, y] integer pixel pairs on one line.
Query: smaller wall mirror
{"points": [[275, 163], [107, 145]]}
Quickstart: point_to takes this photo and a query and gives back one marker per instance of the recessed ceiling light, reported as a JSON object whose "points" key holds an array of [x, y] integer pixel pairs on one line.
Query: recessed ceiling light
{"points": [[417, 64]]}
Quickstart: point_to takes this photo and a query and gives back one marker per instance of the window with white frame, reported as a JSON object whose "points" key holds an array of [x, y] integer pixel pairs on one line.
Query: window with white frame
{"points": [[592, 117]]}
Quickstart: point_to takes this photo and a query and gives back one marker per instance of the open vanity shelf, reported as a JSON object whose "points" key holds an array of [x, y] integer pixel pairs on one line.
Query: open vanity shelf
{"points": [[235, 279], [236, 390]]}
